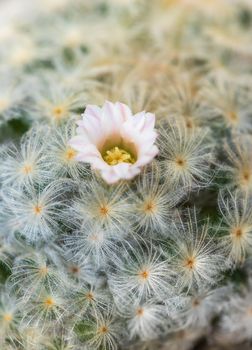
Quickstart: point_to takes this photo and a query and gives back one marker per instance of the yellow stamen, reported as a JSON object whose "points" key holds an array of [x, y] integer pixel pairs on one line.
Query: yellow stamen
{"points": [[118, 155]]}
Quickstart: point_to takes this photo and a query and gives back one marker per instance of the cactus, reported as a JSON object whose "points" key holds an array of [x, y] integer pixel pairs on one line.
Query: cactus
{"points": [[125, 174]]}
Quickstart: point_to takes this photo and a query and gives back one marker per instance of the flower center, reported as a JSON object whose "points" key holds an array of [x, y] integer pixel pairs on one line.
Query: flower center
{"points": [[4, 103], [43, 271], [70, 154], [233, 117], [90, 296], [27, 169], [37, 209], [75, 269], [180, 162], [104, 211], [189, 123], [195, 302], [7, 317], [190, 263], [246, 175], [103, 329], [118, 155], [144, 274], [49, 302], [238, 232], [150, 207], [58, 112], [140, 311]]}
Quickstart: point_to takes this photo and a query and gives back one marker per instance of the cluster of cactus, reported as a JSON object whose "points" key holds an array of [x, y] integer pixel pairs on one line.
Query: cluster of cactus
{"points": [[163, 259]]}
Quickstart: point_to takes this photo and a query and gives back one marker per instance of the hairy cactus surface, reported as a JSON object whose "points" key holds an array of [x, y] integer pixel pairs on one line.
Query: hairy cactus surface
{"points": [[125, 174]]}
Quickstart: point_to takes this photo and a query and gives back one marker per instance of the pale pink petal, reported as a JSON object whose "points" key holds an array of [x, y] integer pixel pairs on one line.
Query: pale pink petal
{"points": [[150, 121], [147, 138], [112, 118], [125, 171], [91, 128], [138, 121], [129, 133], [122, 171], [99, 163], [146, 157], [78, 142], [124, 110], [89, 149], [109, 176], [92, 111]]}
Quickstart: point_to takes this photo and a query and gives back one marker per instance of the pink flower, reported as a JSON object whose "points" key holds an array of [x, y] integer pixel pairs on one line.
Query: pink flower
{"points": [[114, 141]]}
